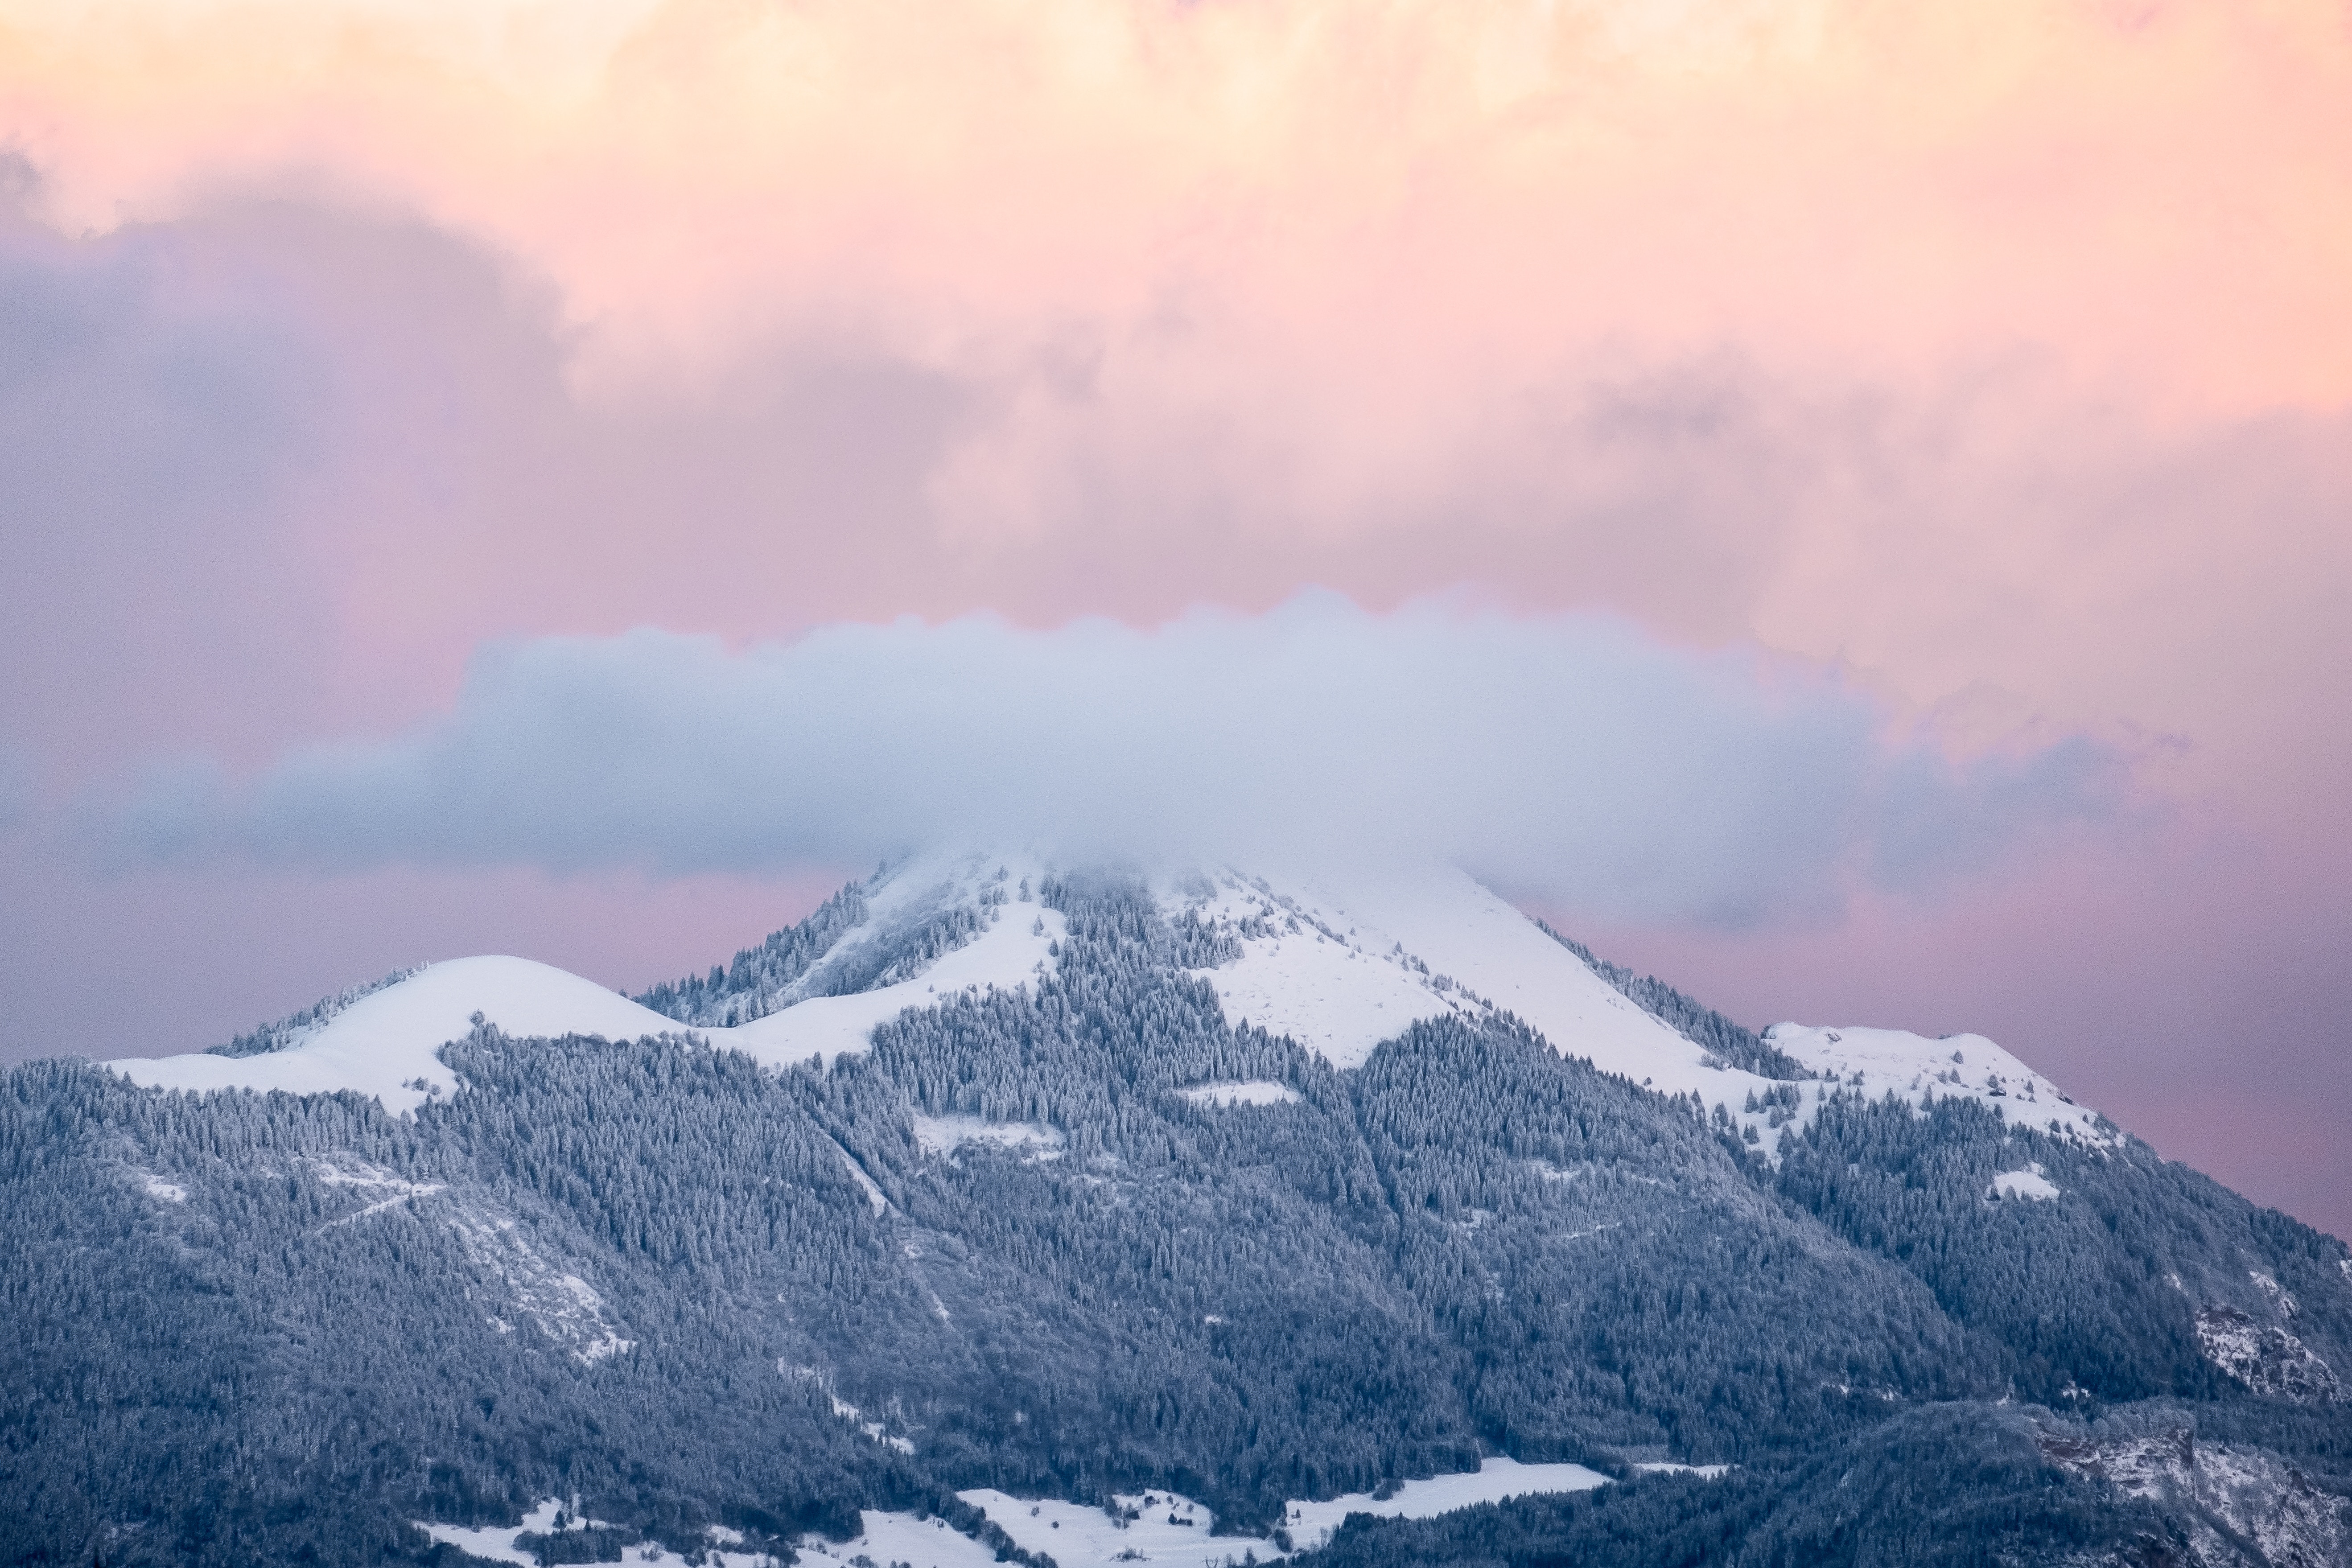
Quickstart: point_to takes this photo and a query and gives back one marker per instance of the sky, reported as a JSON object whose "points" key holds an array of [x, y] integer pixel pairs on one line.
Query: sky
{"points": [[1846, 506]]}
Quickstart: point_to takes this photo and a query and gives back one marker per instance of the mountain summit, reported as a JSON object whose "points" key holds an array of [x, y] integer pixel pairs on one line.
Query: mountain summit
{"points": [[1009, 1210]]}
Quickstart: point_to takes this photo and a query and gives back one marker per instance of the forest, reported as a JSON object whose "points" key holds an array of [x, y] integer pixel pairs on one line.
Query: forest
{"points": [[693, 1291]]}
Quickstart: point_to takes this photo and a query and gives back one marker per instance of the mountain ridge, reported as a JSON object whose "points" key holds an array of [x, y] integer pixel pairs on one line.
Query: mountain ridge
{"points": [[1251, 1195], [878, 937]]}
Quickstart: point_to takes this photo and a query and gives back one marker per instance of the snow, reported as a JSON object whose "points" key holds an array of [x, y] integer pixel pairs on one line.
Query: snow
{"points": [[876, 1430], [946, 1134], [156, 1187], [1077, 1536], [2268, 1285], [370, 1179], [1257, 1092], [2237, 1504], [1338, 962], [566, 1307], [875, 1196], [1347, 962], [2028, 1183], [493, 1543], [1331, 996], [1015, 949], [387, 1043], [902, 1538], [1876, 1062], [496, 1542], [2265, 1358], [1311, 1523], [1371, 955]]}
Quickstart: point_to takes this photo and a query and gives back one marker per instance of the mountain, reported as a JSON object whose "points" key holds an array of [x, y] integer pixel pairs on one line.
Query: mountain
{"points": [[1003, 1210]]}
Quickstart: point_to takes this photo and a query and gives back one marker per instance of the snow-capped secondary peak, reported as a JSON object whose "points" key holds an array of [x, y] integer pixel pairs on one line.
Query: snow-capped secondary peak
{"points": [[1342, 964], [387, 1043]]}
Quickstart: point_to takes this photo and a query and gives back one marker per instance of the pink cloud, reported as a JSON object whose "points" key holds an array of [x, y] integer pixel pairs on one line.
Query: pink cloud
{"points": [[1999, 360]]}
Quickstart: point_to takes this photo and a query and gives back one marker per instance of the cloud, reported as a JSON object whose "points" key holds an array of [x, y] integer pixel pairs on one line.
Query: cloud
{"points": [[148, 430], [1566, 755], [15, 787]]}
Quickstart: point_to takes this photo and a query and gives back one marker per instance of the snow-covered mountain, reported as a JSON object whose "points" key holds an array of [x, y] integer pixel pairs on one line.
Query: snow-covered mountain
{"points": [[1338, 963], [1006, 1210]]}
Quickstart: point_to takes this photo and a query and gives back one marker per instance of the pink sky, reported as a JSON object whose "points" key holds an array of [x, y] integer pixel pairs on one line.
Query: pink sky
{"points": [[1998, 358]]}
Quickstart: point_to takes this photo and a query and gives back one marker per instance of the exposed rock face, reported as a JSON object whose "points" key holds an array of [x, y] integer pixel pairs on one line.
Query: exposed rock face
{"points": [[2234, 1505], [2267, 1360]]}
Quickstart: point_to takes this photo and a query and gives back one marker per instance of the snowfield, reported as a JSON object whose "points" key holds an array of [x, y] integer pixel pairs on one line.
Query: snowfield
{"points": [[890, 1537], [2029, 1184], [885, 1538], [1169, 1529], [162, 1191], [1172, 1529], [1311, 1523]]}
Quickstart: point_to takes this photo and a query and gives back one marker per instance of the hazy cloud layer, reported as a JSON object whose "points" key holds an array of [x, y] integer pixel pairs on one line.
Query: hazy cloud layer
{"points": [[1568, 754]]}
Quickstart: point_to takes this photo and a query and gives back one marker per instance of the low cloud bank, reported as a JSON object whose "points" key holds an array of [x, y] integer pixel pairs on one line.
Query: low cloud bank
{"points": [[1571, 756]]}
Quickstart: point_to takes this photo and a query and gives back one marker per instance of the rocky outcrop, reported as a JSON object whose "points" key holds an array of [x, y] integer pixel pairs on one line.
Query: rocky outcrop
{"points": [[2233, 1505], [2266, 1359]]}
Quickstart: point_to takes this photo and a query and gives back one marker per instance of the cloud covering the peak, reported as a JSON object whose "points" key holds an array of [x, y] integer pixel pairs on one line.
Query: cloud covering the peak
{"points": [[1566, 755]]}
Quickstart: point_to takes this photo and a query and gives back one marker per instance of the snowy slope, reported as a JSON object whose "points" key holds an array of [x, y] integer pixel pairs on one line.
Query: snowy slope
{"points": [[1879, 1062], [1342, 964], [384, 1043], [1016, 949]]}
